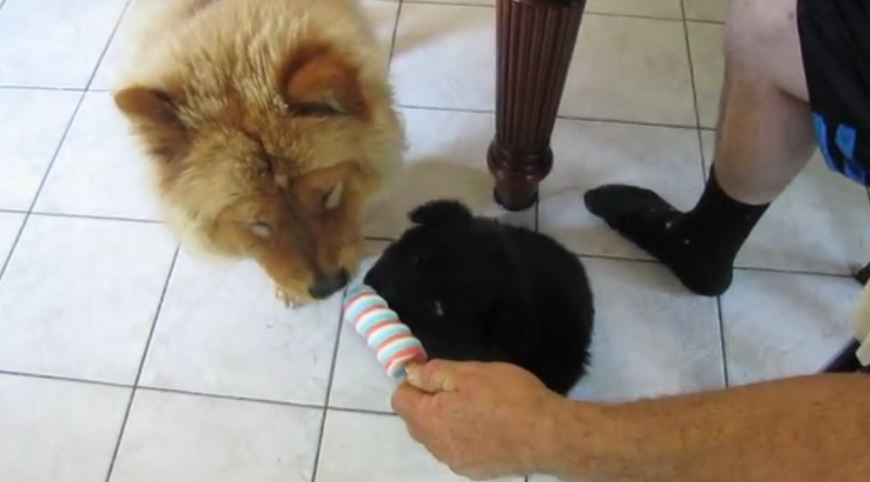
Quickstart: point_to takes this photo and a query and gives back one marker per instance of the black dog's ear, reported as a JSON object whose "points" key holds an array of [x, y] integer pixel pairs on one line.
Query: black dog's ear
{"points": [[440, 213]]}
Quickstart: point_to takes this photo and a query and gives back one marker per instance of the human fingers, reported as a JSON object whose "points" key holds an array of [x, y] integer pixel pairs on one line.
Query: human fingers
{"points": [[435, 376]]}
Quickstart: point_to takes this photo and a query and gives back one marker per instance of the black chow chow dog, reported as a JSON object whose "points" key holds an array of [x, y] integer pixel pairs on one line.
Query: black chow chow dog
{"points": [[475, 289]]}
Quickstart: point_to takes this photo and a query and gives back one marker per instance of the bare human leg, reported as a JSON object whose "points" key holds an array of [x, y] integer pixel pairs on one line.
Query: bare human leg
{"points": [[764, 138]]}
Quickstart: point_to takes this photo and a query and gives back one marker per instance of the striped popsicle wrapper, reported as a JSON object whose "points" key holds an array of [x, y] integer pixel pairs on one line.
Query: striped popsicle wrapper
{"points": [[391, 340]]}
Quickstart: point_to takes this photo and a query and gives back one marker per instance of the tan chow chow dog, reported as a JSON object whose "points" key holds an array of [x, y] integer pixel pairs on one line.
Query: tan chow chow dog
{"points": [[269, 123]]}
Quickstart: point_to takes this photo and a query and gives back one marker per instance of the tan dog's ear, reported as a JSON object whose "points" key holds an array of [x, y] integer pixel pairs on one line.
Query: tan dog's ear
{"points": [[155, 114], [318, 81]]}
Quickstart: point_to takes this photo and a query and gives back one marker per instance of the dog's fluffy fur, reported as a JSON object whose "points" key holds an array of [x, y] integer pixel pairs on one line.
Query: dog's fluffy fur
{"points": [[269, 123], [475, 289]]}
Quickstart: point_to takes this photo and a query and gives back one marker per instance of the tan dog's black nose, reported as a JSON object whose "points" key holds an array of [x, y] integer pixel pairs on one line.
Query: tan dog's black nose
{"points": [[329, 284]]}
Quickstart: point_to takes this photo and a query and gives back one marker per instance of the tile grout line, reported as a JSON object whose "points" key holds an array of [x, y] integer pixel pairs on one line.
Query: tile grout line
{"points": [[694, 93], [94, 217], [325, 411], [41, 87], [236, 398], [664, 18], [758, 269], [395, 35], [652, 17], [157, 313], [435, 108], [444, 109], [60, 378], [450, 4], [387, 239], [560, 116], [264, 401], [142, 364], [363, 411], [176, 391], [28, 213], [751, 269], [60, 143], [725, 375]]}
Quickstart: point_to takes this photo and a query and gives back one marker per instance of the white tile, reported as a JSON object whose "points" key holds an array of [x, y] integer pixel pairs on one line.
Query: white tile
{"points": [[121, 54], [54, 430], [708, 61], [349, 454], [649, 8], [778, 325], [222, 331], [819, 224], [35, 122], [630, 69], [439, 66], [439, 169], [54, 43], [382, 16], [181, 438], [589, 154], [79, 297], [100, 170], [710, 10], [10, 223], [652, 337], [108, 70]]}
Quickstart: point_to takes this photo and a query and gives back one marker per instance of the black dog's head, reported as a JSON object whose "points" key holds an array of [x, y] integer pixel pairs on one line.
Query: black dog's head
{"points": [[474, 289], [442, 275]]}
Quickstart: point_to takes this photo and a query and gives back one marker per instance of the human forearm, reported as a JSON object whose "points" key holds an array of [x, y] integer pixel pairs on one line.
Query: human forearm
{"points": [[802, 429]]}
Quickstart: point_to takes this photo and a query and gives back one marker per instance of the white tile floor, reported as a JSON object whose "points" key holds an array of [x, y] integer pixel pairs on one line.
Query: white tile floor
{"points": [[124, 359]]}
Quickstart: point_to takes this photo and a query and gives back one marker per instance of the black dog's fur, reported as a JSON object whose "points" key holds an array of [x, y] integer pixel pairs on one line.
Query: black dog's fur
{"points": [[474, 289]]}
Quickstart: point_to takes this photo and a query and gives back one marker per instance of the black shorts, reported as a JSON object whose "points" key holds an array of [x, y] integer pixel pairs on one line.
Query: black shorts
{"points": [[835, 44]]}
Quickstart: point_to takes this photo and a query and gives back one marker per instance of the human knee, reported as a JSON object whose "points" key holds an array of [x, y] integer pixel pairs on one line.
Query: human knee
{"points": [[758, 33]]}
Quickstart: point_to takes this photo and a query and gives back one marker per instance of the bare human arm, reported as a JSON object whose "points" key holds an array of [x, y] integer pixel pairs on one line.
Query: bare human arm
{"points": [[488, 420]]}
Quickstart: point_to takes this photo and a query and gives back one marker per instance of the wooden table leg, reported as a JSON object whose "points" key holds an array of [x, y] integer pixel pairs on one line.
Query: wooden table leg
{"points": [[535, 41]]}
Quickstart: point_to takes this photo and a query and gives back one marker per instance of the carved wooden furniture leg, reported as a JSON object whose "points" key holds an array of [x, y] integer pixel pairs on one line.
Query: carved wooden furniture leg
{"points": [[535, 41]]}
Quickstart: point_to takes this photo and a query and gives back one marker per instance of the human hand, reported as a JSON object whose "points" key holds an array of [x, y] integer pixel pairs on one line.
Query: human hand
{"points": [[483, 420]]}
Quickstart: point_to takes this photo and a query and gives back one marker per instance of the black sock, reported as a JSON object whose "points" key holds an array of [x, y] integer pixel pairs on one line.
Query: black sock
{"points": [[699, 246]]}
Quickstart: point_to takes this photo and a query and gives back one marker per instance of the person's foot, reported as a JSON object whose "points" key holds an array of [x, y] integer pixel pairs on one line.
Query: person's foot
{"points": [[643, 217]]}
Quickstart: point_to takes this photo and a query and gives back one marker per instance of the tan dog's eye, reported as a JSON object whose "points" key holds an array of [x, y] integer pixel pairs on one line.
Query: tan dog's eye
{"points": [[260, 229], [314, 109], [332, 197]]}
